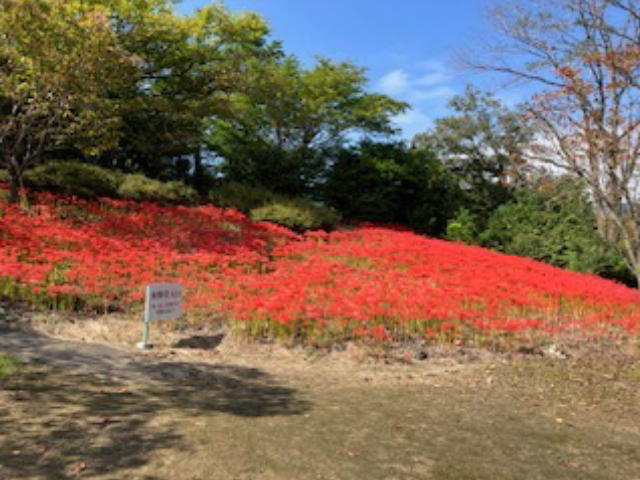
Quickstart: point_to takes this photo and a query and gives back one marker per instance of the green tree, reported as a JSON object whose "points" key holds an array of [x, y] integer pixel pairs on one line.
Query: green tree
{"points": [[482, 145], [189, 66], [283, 130], [392, 183], [553, 221], [60, 61]]}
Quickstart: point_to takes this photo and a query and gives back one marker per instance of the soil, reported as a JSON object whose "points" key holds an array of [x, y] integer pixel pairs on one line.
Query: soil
{"points": [[201, 405]]}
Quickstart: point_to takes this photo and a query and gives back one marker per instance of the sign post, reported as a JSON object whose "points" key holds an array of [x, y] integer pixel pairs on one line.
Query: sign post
{"points": [[164, 302]]}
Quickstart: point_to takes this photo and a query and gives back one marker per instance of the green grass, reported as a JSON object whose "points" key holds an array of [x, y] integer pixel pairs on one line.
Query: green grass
{"points": [[9, 366]]}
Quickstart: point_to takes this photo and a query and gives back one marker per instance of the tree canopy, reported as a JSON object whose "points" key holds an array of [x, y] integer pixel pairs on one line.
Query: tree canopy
{"points": [[584, 56], [60, 67], [284, 129], [482, 143]]}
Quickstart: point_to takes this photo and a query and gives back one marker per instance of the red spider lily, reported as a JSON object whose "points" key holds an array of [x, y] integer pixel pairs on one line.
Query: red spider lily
{"points": [[371, 283]]}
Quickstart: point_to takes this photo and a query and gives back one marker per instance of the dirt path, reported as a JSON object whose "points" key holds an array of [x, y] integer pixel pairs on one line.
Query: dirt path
{"points": [[92, 411], [75, 357], [107, 363]]}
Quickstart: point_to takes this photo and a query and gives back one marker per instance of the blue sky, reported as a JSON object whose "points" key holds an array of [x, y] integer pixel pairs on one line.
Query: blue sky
{"points": [[405, 44]]}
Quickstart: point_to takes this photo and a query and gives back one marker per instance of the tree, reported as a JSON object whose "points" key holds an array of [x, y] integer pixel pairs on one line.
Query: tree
{"points": [[482, 144], [552, 220], [189, 66], [282, 131], [584, 57], [392, 183], [59, 63]]}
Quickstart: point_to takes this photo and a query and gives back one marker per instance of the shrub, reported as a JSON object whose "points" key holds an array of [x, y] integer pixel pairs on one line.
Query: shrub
{"points": [[463, 227], [554, 222], [74, 178], [297, 215], [242, 197], [140, 188]]}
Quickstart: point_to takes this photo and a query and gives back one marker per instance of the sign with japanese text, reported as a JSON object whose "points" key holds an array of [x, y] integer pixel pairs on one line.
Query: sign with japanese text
{"points": [[164, 302]]}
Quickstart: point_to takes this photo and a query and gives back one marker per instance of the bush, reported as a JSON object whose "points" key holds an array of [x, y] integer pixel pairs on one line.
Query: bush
{"points": [[242, 197], [554, 222], [463, 227], [297, 215], [140, 188], [90, 181], [74, 178]]}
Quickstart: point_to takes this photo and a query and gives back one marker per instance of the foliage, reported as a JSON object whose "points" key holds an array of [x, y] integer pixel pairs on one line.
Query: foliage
{"points": [[553, 221], [463, 227], [482, 144], [125, 82], [140, 188], [60, 66], [371, 285], [281, 132], [133, 86], [91, 181], [242, 197], [189, 65], [262, 204], [584, 58], [74, 178], [391, 183], [297, 215]]}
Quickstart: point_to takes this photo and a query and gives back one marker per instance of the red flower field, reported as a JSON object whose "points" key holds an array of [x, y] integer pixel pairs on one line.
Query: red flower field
{"points": [[375, 285]]}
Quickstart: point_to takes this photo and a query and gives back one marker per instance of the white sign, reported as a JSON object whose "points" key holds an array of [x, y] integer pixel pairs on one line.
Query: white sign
{"points": [[164, 302]]}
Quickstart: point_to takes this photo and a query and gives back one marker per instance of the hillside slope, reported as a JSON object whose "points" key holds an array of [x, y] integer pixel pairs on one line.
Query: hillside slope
{"points": [[372, 284]]}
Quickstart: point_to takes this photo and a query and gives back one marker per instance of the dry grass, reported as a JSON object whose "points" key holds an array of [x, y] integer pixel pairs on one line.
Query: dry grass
{"points": [[263, 412], [485, 426]]}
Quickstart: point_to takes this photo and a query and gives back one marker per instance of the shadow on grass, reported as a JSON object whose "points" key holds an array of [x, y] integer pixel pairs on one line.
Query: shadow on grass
{"points": [[62, 420]]}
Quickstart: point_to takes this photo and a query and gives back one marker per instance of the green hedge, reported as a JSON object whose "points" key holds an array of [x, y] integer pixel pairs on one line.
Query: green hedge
{"points": [[74, 178], [140, 188], [90, 181], [298, 215], [242, 197]]}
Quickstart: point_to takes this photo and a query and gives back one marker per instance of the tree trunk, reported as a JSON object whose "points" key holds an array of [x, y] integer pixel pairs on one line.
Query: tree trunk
{"points": [[198, 173], [606, 226], [14, 185]]}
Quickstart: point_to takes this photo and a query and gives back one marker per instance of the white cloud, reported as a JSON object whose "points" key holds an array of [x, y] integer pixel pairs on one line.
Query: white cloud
{"points": [[433, 94], [394, 83], [420, 86], [427, 86], [437, 72], [433, 78], [413, 121]]}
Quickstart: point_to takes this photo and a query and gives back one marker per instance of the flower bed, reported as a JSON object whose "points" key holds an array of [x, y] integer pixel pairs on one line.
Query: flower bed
{"points": [[374, 285]]}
